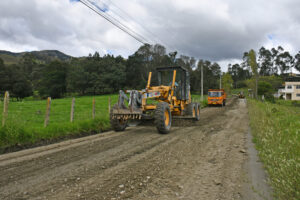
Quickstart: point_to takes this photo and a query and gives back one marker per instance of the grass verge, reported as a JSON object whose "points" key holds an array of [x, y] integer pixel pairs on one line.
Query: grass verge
{"points": [[276, 132]]}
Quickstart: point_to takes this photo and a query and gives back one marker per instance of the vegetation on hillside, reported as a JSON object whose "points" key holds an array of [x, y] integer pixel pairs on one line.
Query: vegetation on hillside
{"points": [[52, 73], [95, 74], [45, 56]]}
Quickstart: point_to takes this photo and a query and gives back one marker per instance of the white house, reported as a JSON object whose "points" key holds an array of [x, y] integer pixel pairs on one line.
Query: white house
{"points": [[291, 89]]}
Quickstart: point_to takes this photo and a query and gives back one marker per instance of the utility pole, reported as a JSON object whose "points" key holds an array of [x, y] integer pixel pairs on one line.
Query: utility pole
{"points": [[221, 80], [201, 83]]}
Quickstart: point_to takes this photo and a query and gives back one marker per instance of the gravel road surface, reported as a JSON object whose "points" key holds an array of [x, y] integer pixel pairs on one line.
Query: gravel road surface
{"points": [[199, 160]]}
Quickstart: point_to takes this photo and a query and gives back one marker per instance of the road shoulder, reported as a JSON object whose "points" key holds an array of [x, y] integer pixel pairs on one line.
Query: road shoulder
{"points": [[255, 186]]}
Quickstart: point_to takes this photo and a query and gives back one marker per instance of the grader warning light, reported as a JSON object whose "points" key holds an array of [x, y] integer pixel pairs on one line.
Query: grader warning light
{"points": [[172, 99]]}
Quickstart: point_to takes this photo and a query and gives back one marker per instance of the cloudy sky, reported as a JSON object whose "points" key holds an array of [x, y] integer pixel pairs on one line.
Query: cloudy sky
{"points": [[217, 30]]}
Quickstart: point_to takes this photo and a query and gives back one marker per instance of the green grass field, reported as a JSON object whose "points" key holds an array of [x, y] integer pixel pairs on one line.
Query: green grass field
{"points": [[276, 131], [25, 122]]}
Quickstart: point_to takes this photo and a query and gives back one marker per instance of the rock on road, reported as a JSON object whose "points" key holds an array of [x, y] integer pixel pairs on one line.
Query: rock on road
{"points": [[201, 161]]}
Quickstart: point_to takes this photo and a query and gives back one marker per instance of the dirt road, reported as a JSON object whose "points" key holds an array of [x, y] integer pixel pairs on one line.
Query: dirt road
{"points": [[201, 161]]}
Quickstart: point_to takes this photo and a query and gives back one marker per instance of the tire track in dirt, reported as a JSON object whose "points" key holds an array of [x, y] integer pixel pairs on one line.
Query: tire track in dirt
{"points": [[71, 159], [135, 164]]}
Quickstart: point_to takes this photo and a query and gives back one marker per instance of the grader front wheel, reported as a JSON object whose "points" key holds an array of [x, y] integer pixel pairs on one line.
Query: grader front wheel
{"points": [[163, 118]]}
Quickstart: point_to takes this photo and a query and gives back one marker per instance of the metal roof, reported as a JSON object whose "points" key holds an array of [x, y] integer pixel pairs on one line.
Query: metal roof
{"points": [[171, 68], [292, 79]]}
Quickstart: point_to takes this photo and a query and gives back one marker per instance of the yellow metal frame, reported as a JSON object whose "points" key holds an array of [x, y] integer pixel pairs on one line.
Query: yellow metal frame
{"points": [[166, 95]]}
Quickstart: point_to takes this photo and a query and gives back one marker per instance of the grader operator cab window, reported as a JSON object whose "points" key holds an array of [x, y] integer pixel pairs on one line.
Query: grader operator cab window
{"points": [[182, 83], [165, 78]]}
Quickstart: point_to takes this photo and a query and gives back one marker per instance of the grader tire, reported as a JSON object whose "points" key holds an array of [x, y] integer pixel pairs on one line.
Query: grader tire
{"points": [[117, 124], [163, 118], [191, 110], [197, 105]]}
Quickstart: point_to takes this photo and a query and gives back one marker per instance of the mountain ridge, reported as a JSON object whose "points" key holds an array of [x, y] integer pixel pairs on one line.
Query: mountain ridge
{"points": [[44, 56]]}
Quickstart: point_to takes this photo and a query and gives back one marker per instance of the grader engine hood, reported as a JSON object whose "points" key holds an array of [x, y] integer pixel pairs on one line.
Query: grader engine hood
{"points": [[151, 94]]}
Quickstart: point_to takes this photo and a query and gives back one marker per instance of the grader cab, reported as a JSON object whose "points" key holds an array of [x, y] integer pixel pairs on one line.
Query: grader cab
{"points": [[170, 99]]}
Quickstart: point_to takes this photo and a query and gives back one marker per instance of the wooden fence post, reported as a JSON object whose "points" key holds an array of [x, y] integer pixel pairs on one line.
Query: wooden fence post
{"points": [[72, 110], [5, 107], [94, 109], [47, 116]]}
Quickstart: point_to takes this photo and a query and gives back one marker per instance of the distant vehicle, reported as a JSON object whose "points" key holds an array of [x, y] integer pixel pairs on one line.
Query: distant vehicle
{"points": [[241, 95], [216, 97]]}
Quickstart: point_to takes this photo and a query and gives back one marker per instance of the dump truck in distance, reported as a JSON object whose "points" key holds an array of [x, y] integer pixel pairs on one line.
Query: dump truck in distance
{"points": [[216, 97]]}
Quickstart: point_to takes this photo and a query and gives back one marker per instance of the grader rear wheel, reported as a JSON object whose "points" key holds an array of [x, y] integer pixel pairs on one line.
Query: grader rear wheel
{"points": [[163, 118], [117, 124]]}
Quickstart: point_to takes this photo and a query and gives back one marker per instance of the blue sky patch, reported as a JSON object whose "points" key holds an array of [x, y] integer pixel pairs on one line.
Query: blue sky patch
{"points": [[102, 9], [271, 36]]}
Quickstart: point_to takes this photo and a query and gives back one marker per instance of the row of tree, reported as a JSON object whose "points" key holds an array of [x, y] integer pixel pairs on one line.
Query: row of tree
{"points": [[95, 74], [270, 62]]}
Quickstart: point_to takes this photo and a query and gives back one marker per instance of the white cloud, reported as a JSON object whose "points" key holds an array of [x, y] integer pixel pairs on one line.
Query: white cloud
{"points": [[208, 29]]}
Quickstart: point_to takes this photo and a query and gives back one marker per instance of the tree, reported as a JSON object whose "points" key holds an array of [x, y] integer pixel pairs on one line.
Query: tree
{"points": [[234, 72], [274, 53], [211, 74], [284, 61], [5, 84], [253, 65], [54, 80], [28, 64], [134, 72], [21, 85], [265, 62], [227, 82], [78, 80], [297, 61]]}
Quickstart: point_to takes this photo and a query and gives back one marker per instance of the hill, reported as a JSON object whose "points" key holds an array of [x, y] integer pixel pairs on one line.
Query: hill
{"points": [[44, 56]]}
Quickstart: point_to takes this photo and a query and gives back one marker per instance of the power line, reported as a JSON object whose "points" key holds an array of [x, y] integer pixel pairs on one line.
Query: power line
{"points": [[121, 18], [136, 21], [116, 23], [125, 28], [157, 39]]}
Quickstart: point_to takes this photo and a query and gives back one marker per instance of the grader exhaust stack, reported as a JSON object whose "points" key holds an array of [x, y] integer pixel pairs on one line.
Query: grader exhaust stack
{"points": [[171, 97]]}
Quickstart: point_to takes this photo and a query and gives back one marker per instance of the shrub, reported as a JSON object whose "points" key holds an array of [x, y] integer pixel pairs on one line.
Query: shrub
{"points": [[264, 88], [270, 98]]}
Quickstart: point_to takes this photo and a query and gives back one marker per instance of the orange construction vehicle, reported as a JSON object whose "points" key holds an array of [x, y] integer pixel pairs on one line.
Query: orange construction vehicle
{"points": [[171, 99], [216, 97]]}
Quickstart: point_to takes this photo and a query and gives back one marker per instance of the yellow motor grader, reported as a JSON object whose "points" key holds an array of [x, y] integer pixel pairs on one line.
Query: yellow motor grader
{"points": [[170, 99]]}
